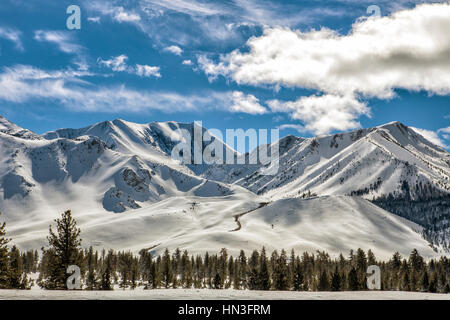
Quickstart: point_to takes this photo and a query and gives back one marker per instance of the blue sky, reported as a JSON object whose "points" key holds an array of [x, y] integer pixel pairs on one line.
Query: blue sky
{"points": [[307, 67]]}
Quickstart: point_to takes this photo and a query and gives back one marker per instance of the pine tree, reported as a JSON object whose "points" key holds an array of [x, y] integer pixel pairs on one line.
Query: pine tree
{"points": [[353, 283], [105, 282], [298, 278], [371, 260], [416, 262], [17, 277], [280, 275], [186, 268], [217, 283], [176, 267], [222, 266], [264, 274], [253, 265], [432, 287], [406, 285], [166, 269], [4, 258], [36, 261], [292, 266], [146, 262], [231, 272], [361, 260], [425, 281], [394, 267], [237, 276], [243, 270], [158, 275], [65, 250], [199, 273], [324, 283], [134, 274], [91, 277], [336, 280]]}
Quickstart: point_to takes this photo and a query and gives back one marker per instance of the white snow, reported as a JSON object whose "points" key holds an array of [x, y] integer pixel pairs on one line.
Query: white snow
{"points": [[127, 193], [209, 294]]}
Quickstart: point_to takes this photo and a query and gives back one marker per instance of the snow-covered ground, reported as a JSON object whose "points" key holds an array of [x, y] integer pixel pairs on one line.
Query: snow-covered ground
{"points": [[205, 294], [334, 224], [127, 193]]}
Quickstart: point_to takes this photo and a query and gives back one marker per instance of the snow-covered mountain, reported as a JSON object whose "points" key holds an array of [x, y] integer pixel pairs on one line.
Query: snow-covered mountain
{"points": [[127, 192], [123, 166], [370, 162], [392, 165]]}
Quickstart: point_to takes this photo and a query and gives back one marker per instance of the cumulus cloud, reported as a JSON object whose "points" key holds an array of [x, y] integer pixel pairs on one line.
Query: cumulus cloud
{"points": [[325, 113], [147, 71], [121, 15], [409, 49], [187, 62], [62, 39], [174, 49], [12, 35], [115, 63], [246, 103], [433, 136], [119, 64]]}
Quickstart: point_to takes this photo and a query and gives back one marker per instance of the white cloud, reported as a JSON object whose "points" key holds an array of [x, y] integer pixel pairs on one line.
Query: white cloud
{"points": [[408, 50], [433, 136], [174, 49], [25, 84], [183, 6], [94, 19], [119, 64], [296, 127], [115, 63], [12, 35], [322, 114], [445, 130], [187, 62], [121, 15], [62, 39], [147, 71], [246, 103]]}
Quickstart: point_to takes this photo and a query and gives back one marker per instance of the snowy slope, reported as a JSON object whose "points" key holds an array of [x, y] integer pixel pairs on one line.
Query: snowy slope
{"points": [[127, 192], [10, 128], [392, 164], [333, 223], [36, 172], [369, 162]]}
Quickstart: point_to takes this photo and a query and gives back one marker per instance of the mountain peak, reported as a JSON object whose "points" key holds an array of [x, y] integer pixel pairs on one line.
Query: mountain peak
{"points": [[12, 129], [394, 124]]}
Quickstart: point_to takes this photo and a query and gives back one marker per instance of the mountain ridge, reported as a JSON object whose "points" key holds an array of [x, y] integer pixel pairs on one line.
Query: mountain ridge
{"points": [[118, 166]]}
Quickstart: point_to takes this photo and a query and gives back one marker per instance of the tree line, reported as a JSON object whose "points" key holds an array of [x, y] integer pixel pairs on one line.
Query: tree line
{"points": [[278, 270]]}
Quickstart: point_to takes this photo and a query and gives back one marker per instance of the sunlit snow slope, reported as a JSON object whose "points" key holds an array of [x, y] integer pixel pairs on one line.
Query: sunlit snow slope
{"points": [[126, 191]]}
